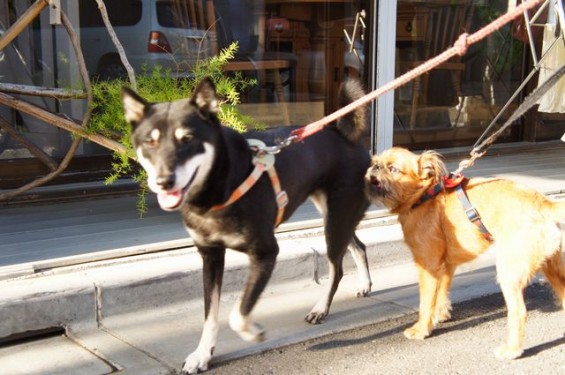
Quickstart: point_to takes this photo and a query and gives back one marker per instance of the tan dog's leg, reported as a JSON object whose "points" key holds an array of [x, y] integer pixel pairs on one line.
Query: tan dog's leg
{"points": [[555, 273], [517, 314], [513, 273], [443, 304], [429, 278]]}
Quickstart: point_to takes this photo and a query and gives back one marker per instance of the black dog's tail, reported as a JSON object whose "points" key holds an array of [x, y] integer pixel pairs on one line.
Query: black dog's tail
{"points": [[353, 124]]}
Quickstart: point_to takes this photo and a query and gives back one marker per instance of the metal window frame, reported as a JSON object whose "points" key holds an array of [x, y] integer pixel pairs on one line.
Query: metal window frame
{"points": [[383, 35]]}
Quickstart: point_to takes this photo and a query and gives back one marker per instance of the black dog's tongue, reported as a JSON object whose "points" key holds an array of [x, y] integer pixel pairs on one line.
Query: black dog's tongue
{"points": [[169, 199]]}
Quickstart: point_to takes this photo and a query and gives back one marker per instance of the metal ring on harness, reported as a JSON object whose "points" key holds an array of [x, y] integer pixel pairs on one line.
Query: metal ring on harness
{"points": [[263, 161]]}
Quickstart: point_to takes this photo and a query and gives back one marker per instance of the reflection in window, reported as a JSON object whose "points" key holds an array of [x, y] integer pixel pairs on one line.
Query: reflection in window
{"points": [[453, 104]]}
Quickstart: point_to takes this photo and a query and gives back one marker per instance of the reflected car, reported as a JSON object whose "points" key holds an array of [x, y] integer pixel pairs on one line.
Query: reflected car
{"points": [[152, 33]]}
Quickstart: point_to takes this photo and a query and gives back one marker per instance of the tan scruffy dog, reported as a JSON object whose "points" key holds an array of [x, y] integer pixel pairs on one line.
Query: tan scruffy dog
{"points": [[524, 224]]}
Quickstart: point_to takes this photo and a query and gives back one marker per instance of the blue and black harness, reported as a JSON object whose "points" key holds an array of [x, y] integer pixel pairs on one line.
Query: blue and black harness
{"points": [[456, 181]]}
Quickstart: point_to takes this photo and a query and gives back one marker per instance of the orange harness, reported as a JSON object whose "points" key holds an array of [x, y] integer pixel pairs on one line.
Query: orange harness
{"points": [[263, 162]]}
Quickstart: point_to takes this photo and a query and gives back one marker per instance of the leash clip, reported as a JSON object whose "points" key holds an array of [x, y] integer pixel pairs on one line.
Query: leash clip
{"points": [[262, 149], [261, 156]]}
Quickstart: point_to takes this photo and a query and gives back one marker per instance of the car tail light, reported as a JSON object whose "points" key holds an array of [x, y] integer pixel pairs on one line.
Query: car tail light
{"points": [[158, 43]]}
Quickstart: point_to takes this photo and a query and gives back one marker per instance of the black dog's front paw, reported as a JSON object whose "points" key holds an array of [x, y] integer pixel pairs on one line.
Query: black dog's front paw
{"points": [[316, 317], [197, 362]]}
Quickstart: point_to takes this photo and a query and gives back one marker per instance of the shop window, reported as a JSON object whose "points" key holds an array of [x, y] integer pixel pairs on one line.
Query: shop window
{"points": [[453, 104]]}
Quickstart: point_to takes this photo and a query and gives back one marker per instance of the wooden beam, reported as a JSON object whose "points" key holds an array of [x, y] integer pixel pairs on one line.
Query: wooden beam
{"points": [[29, 15], [62, 123], [50, 92], [36, 151]]}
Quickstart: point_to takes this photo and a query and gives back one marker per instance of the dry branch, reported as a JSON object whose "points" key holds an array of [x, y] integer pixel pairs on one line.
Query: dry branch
{"points": [[117, 43], [50, 92], [35, 151], [24, 21]]}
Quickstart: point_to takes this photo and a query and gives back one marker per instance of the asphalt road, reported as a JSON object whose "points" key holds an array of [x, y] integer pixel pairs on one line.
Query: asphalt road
{"points": [[464, 345]]}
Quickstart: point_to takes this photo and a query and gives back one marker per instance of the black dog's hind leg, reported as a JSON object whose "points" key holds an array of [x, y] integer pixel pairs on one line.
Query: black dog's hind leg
{"points": [[213, 259], [262, 262], [344, 210], [358, 251]]}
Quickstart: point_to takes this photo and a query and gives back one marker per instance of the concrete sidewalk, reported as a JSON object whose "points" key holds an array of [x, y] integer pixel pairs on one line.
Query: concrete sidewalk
{"points": [[144, 315]]}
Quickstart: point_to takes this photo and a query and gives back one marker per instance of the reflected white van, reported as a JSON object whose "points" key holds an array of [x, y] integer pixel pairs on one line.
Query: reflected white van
{"points": [[152, 32]]}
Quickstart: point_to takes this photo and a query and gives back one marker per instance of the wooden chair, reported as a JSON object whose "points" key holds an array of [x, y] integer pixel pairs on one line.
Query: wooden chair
{"points": [[444, 24], [203, 15]]}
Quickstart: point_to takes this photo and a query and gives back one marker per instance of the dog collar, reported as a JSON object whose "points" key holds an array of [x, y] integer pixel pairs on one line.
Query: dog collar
{"points": [[456, 181], [448, 181], [429, 194], [263, 162]]}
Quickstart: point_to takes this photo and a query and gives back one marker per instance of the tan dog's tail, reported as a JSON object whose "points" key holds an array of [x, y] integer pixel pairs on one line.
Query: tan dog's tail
{"points": [[353, 124]]}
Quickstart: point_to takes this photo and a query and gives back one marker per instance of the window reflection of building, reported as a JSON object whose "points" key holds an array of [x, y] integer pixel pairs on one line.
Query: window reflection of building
{"points": [[316, 36], [453, 104]]}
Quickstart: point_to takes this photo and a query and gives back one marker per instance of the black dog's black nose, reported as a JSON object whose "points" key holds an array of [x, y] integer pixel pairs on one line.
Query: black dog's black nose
{"points": [[166, 182]]}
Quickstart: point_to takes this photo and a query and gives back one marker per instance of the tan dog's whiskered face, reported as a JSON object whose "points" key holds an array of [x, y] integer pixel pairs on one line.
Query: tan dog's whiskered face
{"points": [[397, 177]]}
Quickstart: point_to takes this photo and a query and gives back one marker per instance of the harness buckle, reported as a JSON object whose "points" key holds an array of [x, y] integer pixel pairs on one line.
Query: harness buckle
{"points": [[472, 214], [282, 199]]}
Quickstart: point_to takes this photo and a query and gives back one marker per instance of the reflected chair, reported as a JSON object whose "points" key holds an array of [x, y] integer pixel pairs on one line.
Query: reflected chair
{"points": [[444, 24], [216, 21]]}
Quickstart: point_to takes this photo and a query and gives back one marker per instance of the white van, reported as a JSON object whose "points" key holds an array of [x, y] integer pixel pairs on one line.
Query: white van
{"points": [[152, 32]]}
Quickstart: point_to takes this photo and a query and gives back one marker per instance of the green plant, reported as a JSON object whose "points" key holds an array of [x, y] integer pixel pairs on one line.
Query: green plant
{"points": [[157, 86]]}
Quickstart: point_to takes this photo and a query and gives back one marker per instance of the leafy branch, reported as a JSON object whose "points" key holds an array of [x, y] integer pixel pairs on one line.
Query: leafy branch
{"points": [[157, 86]]}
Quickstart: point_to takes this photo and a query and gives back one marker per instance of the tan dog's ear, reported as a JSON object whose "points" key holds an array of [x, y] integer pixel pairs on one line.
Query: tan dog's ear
{"points": [[430, 166]]}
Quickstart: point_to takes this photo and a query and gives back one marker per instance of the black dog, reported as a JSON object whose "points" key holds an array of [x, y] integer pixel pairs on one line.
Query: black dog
{"points": [[194, 164]]}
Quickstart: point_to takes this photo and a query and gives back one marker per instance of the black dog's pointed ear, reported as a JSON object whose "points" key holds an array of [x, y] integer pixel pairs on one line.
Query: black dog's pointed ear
{"points": [[134, 106], [204, 97]]}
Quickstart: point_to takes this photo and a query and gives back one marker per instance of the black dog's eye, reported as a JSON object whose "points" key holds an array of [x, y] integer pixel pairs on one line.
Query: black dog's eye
{"points": [[187, 138], [150, 142], [183, 136]]}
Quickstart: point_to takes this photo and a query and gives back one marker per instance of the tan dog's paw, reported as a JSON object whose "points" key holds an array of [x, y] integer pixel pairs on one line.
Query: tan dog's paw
{"points": [[443, 314], [416, 333], [505, 352]]}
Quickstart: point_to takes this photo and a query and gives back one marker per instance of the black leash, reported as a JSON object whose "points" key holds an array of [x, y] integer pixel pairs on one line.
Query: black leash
{"points": [[480, 147], [529, 102]]}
